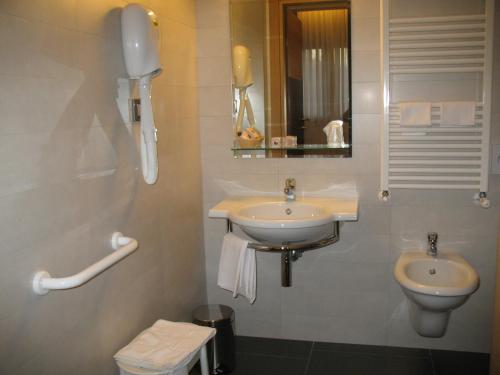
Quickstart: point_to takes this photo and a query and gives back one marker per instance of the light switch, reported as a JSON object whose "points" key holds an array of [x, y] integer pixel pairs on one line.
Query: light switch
{"points": [[495, 159]]}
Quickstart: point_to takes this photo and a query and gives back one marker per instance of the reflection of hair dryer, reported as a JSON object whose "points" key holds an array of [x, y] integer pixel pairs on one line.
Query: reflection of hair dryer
{"points": [[242, 67], [140, 38], [242, 76]]}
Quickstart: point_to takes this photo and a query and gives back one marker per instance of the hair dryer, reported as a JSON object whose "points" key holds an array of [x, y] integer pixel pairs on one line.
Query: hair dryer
{"points": [[140, 38]]}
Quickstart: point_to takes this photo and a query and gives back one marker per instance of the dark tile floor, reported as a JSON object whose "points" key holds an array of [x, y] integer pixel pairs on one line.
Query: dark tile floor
{"points": [[258, 356]]}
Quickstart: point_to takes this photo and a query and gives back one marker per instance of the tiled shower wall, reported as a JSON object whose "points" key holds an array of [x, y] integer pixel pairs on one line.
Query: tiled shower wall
{"points": [[346, 292], [70, 176]]}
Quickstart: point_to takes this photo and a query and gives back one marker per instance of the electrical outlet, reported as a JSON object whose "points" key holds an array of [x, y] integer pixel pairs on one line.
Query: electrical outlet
{"points": [[495, 159]]}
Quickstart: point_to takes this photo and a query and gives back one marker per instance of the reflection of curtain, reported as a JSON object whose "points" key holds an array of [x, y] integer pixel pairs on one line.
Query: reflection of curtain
{"points": [[325, 63]]}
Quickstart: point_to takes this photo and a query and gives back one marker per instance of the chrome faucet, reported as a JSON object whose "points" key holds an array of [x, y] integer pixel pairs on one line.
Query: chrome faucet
{"points": [[290, 189], [432, 239]]}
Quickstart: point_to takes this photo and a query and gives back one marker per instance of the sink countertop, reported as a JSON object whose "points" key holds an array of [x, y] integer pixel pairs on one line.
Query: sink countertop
{"points": [[341, 209]]}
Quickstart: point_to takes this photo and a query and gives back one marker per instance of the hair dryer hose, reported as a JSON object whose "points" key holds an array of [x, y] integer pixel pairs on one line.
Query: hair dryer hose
{"points": [[148, 133]]}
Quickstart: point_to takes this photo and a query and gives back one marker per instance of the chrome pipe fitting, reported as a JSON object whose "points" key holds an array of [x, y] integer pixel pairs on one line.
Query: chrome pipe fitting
{"points": [[432, 238]]}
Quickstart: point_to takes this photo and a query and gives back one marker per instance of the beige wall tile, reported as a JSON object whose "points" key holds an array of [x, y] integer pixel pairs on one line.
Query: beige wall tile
{"points": [[365, 34], [365, 66], [214, 71], [70, 177], [215, 101], [214, 42]]}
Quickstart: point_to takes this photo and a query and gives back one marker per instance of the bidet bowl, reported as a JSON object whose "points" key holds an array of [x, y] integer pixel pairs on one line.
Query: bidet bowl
{"points": [[448, 274], [434, 287]]}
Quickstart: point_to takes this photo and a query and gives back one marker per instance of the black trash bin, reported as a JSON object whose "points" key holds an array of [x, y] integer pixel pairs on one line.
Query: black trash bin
{"points": [[221, 349]]}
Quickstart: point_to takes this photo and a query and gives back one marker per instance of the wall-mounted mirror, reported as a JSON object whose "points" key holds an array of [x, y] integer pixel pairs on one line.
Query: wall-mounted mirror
{"points": [[291, 62]]}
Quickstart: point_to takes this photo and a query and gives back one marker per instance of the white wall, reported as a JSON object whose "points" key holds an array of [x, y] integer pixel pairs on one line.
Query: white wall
{"points": [[346, 292], [69, 177]]}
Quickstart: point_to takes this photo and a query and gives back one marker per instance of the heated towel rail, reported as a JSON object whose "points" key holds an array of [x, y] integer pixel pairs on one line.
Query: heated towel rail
{"points": [[436, 157], [122, 246]]}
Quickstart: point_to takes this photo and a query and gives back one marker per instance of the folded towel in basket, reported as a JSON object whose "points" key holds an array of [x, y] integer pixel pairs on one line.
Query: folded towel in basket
{"points": [[165, 346]]}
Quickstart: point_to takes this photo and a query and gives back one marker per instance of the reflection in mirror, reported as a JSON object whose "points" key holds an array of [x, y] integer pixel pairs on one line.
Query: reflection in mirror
{"points": [[291, 78]]}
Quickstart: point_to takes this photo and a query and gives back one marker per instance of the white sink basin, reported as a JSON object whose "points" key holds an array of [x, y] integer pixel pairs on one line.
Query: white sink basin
{"points": [[275, 221]]}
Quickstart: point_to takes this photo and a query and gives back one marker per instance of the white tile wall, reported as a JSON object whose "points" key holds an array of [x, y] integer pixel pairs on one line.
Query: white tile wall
{"points": [[346, 292], [69, 177]]}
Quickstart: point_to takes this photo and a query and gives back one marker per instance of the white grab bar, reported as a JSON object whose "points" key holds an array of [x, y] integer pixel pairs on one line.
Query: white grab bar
{"points": [[123, 246]]}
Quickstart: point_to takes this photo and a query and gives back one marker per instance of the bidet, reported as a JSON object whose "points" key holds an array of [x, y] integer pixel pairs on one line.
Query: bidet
{"points": [[434, 285]]}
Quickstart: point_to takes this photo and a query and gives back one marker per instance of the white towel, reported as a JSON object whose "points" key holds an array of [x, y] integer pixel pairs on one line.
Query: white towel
{"points": [[237, 267], [458, 113], [165, 346], [415, 113]]}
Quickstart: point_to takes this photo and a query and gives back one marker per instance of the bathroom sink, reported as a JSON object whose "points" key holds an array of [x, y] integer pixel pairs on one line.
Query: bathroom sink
{"points": [[276, 221], [448, 274]]}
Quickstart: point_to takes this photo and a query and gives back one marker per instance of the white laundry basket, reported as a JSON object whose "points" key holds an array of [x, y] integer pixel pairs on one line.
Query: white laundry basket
{"points": [[173, 345], [129, 370]]}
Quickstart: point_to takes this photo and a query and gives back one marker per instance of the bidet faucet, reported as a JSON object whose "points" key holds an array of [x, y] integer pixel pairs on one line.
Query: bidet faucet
{"points": [[290, 189], [432, 239]]}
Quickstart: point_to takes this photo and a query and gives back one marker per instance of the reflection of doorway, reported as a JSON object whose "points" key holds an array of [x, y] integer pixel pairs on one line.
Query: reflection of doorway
{"points": [[294, 81], [316, 37]]}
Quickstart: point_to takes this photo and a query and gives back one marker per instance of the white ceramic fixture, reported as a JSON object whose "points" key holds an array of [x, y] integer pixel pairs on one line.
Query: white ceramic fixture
{"points": [[434, 286], [272, 220], [140, 38]]}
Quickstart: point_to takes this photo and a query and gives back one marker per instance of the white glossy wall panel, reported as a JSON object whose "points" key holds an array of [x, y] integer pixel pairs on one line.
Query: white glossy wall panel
{"points": [[346, 293]]}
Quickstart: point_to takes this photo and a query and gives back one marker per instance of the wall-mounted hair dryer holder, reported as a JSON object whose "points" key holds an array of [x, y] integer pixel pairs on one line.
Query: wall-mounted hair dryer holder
{"points": [[140, 38]]}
